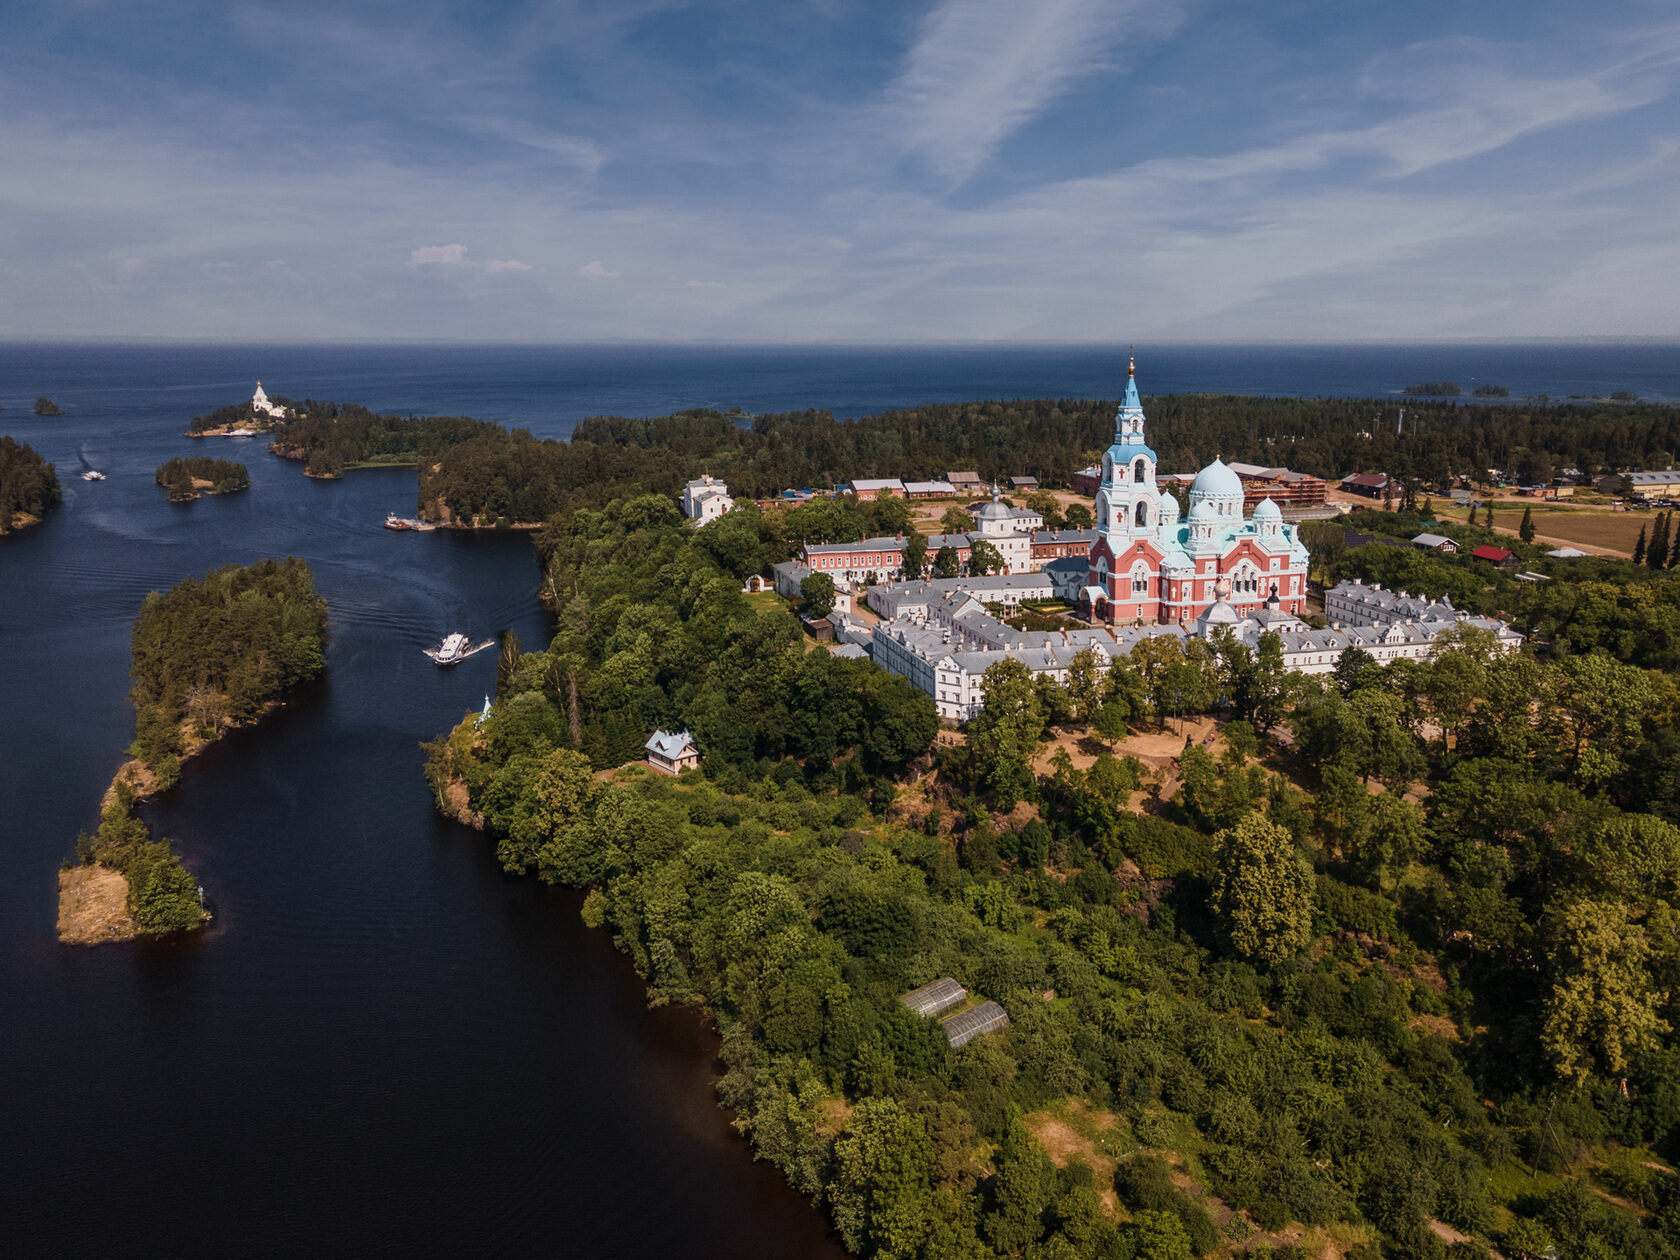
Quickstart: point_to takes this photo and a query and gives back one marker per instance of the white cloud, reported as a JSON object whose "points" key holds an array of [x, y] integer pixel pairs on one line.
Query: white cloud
{"points": [[597, 270], [442, 255], [506, 264], [982, 68]]}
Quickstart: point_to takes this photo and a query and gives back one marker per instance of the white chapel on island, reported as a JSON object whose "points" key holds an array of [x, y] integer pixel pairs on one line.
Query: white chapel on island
{"points": [[260, 403]]}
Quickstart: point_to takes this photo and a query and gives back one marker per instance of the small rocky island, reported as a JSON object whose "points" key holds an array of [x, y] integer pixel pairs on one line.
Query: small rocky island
{"points": [[187, 479], [45, 406], [213, 654]]}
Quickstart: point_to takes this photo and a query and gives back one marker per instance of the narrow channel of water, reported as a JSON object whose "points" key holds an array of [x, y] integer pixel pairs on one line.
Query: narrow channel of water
{"points": [[384, 1045]]}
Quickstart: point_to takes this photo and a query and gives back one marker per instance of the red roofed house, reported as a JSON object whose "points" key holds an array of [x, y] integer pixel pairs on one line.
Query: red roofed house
{"points": [[1496, 556]]}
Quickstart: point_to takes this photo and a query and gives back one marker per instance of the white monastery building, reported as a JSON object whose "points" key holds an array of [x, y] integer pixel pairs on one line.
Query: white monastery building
{"points": [[705, 499]]}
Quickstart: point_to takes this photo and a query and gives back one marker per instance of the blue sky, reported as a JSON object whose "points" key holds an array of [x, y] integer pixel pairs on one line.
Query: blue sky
{"points": [[820, 170]]}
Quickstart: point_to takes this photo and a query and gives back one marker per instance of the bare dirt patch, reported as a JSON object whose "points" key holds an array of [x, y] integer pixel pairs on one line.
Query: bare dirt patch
{"points": [[1060, 1136], [93, 906]]}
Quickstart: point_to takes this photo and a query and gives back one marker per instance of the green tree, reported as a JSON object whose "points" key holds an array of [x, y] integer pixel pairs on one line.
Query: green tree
{"points": [[1085, 683], [166, 898], [1639, 547], [1023, 1188], [1471, 520], [1078, 516], [984, 558], [915, 555], [1007, 731], [945, 562], [955, 521], [817, 592], [1602, 1010], [507, 664], [1109, 723], [1656, 553], [1262, 891], [1159, 1236], [882, 1162], [1525, 531]]}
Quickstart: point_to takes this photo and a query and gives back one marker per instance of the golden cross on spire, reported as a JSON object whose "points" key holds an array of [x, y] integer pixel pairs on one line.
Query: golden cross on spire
{"points": [[1131, 360]]}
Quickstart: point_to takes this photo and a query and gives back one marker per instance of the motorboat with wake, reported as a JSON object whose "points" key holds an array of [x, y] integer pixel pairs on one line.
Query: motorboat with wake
{"points": [[93, 474], [393, 521], [455, 648]]}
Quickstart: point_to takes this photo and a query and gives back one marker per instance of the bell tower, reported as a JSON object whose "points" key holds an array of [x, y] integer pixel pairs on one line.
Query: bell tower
{"points": [[1128, 500]]}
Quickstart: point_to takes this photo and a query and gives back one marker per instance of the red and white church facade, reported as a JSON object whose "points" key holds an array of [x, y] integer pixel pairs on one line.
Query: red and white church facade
{"points": [[1148, 566]]}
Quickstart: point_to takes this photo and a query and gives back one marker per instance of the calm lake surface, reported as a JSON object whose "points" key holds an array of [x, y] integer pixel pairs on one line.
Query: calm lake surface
{"points": [[384, 1045]]}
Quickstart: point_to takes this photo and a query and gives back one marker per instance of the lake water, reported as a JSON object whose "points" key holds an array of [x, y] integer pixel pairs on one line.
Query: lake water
{"points": [[384, 1045]]}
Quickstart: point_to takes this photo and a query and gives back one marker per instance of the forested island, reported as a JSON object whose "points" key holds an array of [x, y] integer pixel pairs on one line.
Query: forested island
{"points": [[187, 479], [212, 654], [477, 474], [1434, 389], [47, 407], [1384, 962], [329, 437], [29, 486]]}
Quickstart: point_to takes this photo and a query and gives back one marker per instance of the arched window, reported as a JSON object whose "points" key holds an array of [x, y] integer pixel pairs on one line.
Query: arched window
{"points": [[1137, 469], [1142, 514]]}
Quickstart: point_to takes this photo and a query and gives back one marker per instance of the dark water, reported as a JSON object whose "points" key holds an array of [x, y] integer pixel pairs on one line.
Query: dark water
{"points": [[385, 1046]]}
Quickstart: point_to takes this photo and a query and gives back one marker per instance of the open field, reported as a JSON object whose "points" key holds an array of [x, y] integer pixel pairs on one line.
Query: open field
{"points": [[1604, 531]]}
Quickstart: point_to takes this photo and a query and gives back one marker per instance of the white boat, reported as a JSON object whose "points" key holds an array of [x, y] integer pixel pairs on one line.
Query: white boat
{"points": [[93, 474], [454, 649]]}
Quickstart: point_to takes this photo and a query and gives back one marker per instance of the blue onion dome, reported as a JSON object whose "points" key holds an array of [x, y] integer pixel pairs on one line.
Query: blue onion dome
{"points": [[1267, 511], [1168, 505], [1216, 481], [1202, 510]]}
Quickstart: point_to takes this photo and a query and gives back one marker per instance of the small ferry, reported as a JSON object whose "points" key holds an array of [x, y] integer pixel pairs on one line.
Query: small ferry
{"points": [[93, 474], [455, 648], [393, 521]]}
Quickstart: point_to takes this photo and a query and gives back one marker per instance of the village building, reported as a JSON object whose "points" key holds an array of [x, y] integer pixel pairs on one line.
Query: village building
{"points": [[1023, 485], [1646, 485], [867, 488], [1282, 486], [929, 490], [869, 560], [705, 499], [672, 752], [1147, 566], [1498, 557], [1435, 542], [1371, 485], [966, 483], [1055, 544]]}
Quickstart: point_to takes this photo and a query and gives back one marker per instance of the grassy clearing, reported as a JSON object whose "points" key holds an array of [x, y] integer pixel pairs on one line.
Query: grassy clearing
{"points": [[1583, 527]]}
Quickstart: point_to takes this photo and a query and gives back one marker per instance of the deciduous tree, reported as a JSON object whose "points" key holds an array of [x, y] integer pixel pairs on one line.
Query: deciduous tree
{"points": [[1262, 891]]}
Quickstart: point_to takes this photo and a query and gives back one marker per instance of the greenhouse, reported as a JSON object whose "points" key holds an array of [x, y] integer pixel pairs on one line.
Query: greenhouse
{"points": [[962, 1028], [933, 1000]]}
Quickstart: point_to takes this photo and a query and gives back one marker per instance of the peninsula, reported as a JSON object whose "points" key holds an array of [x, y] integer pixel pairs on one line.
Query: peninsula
{"points": [[213, 654], [1234, 933], [29, 486]]}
